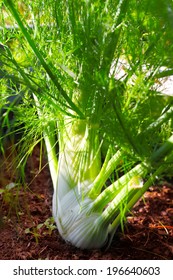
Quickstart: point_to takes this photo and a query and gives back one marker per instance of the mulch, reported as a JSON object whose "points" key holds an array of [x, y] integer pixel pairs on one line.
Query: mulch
{"points": [[27, 231]]}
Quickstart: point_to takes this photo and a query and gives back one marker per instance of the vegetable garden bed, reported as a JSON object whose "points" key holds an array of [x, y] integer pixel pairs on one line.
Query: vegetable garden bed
{"points": [[148, 234]]}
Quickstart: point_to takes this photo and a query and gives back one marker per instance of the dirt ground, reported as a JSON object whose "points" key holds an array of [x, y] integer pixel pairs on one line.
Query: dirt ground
{"points": [[28, 233]]}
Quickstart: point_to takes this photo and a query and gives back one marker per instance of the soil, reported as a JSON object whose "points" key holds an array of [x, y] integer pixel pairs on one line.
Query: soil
{"points": [[28, 233]]}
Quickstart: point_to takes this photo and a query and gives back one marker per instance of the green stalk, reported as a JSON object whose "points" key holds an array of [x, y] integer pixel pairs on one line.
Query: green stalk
{"points": [[49, 138], [120, 200], [106, 170], [113, 227], [51, 153], [114, 189], [162, 119], [139, 170], [162, 151], [108, 213]]}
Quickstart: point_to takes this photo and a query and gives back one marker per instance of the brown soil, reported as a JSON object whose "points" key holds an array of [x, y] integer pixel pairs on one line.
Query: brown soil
{"points": [[23, 235]]}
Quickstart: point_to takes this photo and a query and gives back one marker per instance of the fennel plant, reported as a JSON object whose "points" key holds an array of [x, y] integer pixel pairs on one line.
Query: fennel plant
{"points": [[107, 138]]}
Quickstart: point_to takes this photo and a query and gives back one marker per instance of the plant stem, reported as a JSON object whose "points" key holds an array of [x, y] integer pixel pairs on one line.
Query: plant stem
{"points": [[133, 200], [162, 151], [114, 189], [107, 168], [49, 138]]}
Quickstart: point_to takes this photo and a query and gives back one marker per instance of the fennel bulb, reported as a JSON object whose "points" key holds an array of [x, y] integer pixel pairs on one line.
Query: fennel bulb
{"points": [[78, 167], [76, 194]]}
